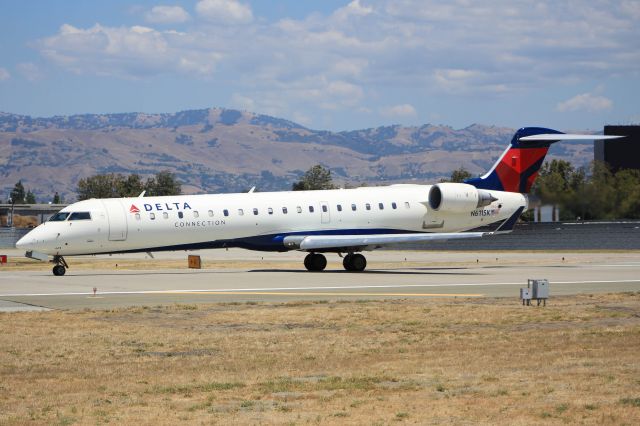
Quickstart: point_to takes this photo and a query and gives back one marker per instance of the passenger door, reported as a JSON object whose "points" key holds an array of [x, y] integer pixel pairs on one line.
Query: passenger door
{"points": [[117, 218]]}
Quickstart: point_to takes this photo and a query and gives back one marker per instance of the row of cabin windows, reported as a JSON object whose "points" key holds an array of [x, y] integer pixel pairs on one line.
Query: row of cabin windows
{"points": [[325, 209]]}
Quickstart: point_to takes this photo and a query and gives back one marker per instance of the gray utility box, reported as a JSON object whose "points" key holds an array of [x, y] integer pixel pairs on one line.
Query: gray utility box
{"points": [[539, 289], [525, 294]]}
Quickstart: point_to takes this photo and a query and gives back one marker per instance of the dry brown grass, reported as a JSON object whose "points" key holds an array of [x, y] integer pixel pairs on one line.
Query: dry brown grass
{"points": [[456, 361], [20, 221]]}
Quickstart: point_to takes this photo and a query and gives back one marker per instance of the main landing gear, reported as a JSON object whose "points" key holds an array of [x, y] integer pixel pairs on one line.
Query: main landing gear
{"points": [[61, 266], [354, 262]]}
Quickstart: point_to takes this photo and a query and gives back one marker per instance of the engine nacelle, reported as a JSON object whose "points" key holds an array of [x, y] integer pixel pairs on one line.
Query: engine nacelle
{"points": [[458, 197]]}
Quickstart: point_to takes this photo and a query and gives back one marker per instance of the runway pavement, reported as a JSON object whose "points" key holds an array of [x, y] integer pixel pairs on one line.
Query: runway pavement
{"points": [[422, 275]]}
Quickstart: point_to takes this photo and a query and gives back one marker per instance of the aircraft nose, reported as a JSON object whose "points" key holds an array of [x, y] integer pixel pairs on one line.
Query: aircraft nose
{"points": [[24, 242]]}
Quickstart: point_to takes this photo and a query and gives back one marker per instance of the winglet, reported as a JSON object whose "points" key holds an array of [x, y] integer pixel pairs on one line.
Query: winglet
{"points": [[507, 225]]}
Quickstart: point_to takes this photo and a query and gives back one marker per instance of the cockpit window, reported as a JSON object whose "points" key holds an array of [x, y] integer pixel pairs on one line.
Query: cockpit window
{"points": [[80, 216], [59, 217]]}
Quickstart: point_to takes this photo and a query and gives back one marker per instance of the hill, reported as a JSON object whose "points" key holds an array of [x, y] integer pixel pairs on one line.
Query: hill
{"points": [[224, 150]]}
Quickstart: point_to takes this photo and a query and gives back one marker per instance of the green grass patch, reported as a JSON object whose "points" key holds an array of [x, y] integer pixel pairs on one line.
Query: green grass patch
{"points": [[201, 387], [634, 402]]}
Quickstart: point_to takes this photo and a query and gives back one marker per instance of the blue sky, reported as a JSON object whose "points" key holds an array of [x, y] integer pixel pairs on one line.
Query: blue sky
{"points": [[336, 65]]}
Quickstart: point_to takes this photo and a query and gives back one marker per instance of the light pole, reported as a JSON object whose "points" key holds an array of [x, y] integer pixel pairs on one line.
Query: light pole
{"points": [[10, 221]]}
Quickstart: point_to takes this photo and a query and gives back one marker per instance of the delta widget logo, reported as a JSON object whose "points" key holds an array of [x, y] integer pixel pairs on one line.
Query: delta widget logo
{"points": [[134, 209]]}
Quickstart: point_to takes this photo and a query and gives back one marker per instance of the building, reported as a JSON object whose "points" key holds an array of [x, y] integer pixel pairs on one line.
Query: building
{"points": [[621, 153]]}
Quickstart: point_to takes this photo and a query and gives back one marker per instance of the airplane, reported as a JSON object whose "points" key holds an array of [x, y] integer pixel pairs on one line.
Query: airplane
{"points": [[342, 221]]}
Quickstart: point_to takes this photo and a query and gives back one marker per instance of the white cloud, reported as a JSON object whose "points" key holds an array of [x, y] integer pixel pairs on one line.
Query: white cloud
{"points": [[585, 102], [30, 71], [351, 59], [352, 9], [166, 15], [4, 74], [128, 52], [225, 11], [242, 102], [401, 111]]}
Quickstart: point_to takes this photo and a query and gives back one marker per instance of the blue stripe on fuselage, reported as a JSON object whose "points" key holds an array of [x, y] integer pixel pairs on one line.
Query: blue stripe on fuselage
{"points": [[271, 242]]}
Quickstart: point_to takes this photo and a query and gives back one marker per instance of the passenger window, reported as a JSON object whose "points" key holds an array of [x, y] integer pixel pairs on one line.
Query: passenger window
{"points": [[310, 209], [196, 214], [255, 212], [270, 210], [381, 206], [367, 206], [137, 216], [339, 207], [180, 215], [240, 212], [324, 209], [165, 215], [225, 212], [353, 207], [152, 216], [210, 213], [284, 210], [299, 209], [80, 216], [394, 205], [59, 217], [406, 204]]}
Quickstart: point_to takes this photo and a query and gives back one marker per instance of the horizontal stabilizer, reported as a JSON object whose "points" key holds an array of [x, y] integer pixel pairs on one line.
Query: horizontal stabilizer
{"points": [[566, 137], [508, 225]]}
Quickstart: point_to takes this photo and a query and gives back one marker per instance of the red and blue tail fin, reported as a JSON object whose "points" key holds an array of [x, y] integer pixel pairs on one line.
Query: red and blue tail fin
{"points": [[518, 166]]}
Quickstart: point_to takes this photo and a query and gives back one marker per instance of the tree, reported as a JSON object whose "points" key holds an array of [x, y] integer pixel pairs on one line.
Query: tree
{"points": [[627, 183], [164, 183], [601, 195], [56, 198], [130, 186], [30, 198], [17, 193], [317, 177], [98, 186], [117, 185], [460, 175]]}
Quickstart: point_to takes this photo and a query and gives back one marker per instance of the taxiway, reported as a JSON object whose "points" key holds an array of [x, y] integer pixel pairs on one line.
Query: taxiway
{"points": [[257, 277]]}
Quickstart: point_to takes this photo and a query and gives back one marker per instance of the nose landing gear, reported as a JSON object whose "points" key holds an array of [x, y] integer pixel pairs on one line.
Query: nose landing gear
{"points": [[60, 266]]}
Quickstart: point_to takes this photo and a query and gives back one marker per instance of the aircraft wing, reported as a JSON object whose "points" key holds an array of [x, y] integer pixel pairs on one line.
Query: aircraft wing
{"points": [[360, 242]]}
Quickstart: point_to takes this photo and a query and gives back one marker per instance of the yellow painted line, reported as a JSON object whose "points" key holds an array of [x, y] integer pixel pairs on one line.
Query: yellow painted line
{"points": [[279, 293]]}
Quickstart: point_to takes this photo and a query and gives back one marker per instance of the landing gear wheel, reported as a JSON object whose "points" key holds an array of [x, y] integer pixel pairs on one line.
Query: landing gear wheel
{"points": [[315, 262], [354, 262], [358, 262], [346, 262], [61, 265]]}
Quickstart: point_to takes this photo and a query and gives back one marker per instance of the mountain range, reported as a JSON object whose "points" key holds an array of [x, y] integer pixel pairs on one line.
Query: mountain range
{"points": [[225, 150]]}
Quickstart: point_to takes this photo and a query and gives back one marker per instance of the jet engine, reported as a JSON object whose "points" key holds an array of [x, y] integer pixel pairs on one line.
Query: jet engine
{"points": [[458, 197]]}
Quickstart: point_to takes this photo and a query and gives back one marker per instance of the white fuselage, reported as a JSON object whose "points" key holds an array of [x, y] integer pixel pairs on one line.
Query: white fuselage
{"points": [[257, 220]]}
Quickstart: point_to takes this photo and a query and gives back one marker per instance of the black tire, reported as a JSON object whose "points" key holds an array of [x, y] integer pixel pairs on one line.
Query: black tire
{"points": [[319, 262], [59, 270], [307, 262], [346, 262], [358, 262]]}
